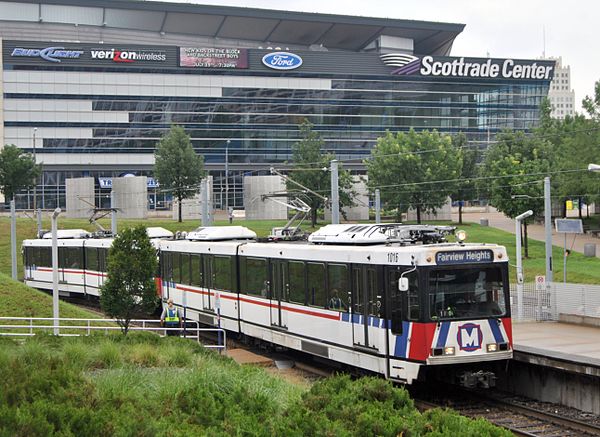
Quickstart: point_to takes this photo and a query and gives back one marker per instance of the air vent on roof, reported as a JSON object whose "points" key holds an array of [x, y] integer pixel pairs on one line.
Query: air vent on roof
{"points": [[380, 234], [63, 234], [217, 233]]}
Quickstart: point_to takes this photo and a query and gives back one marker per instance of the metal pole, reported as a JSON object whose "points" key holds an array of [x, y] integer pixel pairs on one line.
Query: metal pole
{"points": [[377, 206], [335, 194], [39, 222], [548, 229], [55, 269], [35, 161], [204, 185], [13, 238], [520, 278], [113, 213], [227, 176]]}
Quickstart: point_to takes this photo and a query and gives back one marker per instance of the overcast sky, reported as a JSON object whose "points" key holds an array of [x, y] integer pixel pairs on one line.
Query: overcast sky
{"points": [[502, 28]]}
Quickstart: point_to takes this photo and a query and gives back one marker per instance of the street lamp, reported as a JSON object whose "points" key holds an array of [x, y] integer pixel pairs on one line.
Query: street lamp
{"points": [[35, 161], [593, 167], [518, 220], [227, 176]]}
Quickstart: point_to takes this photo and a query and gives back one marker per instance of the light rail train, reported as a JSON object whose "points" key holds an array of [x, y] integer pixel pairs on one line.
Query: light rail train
{"points": [[396, 300]]}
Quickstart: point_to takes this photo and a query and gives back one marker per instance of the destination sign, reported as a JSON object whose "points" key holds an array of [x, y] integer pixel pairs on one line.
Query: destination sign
{"points": [[464, 257]]}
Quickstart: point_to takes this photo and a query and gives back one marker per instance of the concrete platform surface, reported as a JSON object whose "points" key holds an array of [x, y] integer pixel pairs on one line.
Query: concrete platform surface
{"points": [[562, 341]]}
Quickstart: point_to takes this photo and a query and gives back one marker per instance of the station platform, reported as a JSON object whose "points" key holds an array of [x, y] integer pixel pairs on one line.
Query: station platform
{"points": [[564, 346]]}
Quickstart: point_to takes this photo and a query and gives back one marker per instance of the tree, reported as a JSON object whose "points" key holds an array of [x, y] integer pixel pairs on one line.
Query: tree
{"points": [[130, 287], [18, 171], [177, 167], [467, 186], [515, 167], [308, 163], [404, 166]]}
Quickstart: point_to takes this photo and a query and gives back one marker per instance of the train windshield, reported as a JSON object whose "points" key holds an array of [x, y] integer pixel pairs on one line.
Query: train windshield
{"points": [[461, 293]]}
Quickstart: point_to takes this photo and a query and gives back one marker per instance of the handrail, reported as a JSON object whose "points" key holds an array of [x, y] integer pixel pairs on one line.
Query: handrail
{"points": [[88, 327]]}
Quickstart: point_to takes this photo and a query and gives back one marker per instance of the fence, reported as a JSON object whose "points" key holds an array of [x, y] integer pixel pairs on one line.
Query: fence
{"points": [[573, 299], [70, 327]]}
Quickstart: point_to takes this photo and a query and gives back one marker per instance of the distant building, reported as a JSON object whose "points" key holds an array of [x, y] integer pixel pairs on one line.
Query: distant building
{"points": [[561, 95]]}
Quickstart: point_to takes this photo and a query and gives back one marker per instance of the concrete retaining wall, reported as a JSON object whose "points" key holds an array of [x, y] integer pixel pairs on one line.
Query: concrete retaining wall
{"points": [[443, 213], [191, 209], [360, 210]]}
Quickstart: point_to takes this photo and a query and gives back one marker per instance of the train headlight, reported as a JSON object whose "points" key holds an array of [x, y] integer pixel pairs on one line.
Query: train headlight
{"points": [[449, 350], [492, 347], [461, 236]]}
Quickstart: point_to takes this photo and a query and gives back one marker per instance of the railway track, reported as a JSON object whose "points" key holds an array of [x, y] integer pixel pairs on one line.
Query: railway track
{"points": [[519, 419]]}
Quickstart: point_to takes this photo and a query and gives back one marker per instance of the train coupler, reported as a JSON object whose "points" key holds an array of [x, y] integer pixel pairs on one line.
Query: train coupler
{"points": [[481, 379]]}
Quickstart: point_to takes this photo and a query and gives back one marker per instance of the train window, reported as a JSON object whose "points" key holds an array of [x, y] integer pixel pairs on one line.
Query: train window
{"points": [[102, 260], [176, 267], [397, 307], [196, 270], [316, 284], [185, 269], [255, 276], [222, 272], [44, 257], [297, 287], [91, 259], [69, 258], [337, 278], [167, 265], [466, 293]]}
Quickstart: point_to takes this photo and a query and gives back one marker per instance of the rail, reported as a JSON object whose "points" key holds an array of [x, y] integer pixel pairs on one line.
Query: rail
{"points": [[30, 324]]}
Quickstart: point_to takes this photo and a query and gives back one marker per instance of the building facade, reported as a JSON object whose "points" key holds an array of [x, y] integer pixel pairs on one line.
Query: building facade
{"points": [[561, 95], [92, 89]]}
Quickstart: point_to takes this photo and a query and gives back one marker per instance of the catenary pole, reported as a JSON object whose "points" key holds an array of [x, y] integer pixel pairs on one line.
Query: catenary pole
{"points": [[55, 313], [548, 233], [377, 206], [39, 222], [113, 213], [335, 194], [13, 239]]}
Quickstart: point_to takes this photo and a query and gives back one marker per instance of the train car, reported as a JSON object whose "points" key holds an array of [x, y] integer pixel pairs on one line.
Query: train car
{"points": [[82, 260], [395, 300]]}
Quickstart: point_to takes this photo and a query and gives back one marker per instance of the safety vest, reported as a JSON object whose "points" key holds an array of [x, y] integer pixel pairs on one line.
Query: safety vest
{"points": [[172, 315]]}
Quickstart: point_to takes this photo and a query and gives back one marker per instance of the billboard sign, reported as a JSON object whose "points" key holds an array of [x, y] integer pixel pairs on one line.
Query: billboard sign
{"points": [[51, 54], [213, 57], [282, 61]]}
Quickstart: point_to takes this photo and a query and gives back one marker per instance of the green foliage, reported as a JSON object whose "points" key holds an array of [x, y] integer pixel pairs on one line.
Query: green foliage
{"points": [[467, 187], [177, 167], [403, 159], [18, 170], [130, 287], [514, 167], [309, 160], [52, 386]]}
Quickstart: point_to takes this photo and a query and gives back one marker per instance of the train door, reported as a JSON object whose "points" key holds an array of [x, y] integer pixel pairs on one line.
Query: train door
{"points": [[208, 264], [366, 307], [29, 261], [279, 292]]}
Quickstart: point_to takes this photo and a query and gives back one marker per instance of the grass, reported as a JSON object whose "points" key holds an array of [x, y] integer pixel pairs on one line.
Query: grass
{"points": [[579, 268], [117, 386]]}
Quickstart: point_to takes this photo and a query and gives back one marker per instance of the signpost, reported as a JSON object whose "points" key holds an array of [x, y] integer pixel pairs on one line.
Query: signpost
{"points": [[568, 226]]}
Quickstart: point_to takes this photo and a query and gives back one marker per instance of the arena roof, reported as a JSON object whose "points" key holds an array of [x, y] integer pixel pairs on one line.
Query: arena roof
{"points": [[338, 32]]}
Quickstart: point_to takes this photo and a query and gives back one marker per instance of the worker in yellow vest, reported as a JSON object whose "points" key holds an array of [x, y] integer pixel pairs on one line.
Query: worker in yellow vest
{"points": [[170, 318]]}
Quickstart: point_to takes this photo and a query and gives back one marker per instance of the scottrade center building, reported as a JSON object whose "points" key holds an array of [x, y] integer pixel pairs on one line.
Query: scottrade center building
{"points": [[90, 87]]}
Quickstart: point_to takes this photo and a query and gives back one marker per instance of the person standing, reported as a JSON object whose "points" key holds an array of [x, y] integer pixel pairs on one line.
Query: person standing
{"points": [[171, 318]]}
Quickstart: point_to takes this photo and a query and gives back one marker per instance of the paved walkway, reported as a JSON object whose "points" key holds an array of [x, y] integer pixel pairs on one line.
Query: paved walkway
{"points": [[535, 232]]}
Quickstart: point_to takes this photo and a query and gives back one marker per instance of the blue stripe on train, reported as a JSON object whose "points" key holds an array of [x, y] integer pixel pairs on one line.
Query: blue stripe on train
{"points": [[496, 330], [402, 341], [443, 335]]}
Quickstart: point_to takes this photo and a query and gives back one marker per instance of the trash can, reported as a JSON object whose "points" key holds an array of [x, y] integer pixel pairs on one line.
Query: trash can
{"points": [[484, 222], [589, 249]]}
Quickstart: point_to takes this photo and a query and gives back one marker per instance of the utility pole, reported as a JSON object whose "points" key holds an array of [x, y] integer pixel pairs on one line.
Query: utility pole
{"points": [[335, 194], [39, 222], [13, 238], [548, 229], [377, 206]]}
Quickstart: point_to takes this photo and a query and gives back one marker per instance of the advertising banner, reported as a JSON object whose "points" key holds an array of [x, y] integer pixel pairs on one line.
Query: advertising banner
{"points": [[213, 57]]}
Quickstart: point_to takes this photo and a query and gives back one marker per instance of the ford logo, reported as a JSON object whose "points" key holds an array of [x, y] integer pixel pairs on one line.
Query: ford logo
{"points": [[282, 60]]}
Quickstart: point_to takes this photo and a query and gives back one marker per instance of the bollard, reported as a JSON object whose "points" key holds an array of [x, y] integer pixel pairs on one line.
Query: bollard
{"points": [[589, 249], [484, 222]]}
